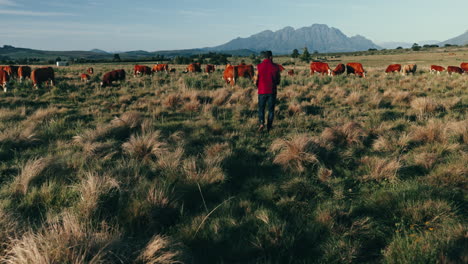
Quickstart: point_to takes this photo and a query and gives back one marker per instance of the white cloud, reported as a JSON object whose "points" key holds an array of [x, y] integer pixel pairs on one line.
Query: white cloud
{"points": [[32, 13]]}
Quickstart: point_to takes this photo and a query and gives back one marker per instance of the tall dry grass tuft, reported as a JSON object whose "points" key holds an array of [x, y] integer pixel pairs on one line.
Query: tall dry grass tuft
{"points": [[43, 114], [160, 250], [172, 101], [354, 98], [170, 160], [381, 169], [425, 106], [92, 135], [65, 240], [295, 153], [433, 131], [20, 135], [401, 97], [354, 133], [458, 130], [145, 146], [128, 119], [215, 154], [10, 114], [8, 229], [221, 96], [91, 188], [202, 174], [31, 171]]}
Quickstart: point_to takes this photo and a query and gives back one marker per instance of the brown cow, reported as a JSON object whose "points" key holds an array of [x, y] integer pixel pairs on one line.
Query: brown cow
{"points": [[464, 66], [90, 70], [410, 68], [115, 75], [320, 67], [393, 68], [41, 75], [355, 68], [8, 70], [85, 77], [161, 67], [436, 68], [144, 70], [194, 67], [4, 78], [340, 69], [246, 71], [454, 69], [209, 68], [24, 72], [230, 74]]}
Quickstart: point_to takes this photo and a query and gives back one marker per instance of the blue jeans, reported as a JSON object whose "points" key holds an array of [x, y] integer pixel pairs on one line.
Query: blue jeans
{"points": [[263, 100]]}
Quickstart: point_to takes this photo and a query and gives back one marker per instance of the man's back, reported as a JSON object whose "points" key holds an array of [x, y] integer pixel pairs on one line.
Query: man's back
{"points": [[268, 77]]}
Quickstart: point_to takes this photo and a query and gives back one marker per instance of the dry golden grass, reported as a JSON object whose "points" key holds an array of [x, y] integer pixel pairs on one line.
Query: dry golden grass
{"points": [[201, 174], [160, 250], [31, 171], [145, 146], [65, 240], [128, 119], [91, 188], [425, 106], [43, 114], [434, 131], [354, 98], [294, 153], [381, 169]]}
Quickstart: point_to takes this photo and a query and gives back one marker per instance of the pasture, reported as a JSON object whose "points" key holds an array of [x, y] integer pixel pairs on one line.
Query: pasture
{"points": [[170, 168]]}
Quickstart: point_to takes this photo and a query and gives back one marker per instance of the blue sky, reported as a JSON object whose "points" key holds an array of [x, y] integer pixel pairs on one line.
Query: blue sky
{"points": [[178, 24]]}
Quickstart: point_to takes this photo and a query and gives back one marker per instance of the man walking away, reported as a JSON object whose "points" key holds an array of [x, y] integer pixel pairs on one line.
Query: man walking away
{"points": [[268, 77]]}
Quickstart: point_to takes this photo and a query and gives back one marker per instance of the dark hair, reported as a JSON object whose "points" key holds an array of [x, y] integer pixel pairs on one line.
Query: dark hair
{"points": [[267, 54]]}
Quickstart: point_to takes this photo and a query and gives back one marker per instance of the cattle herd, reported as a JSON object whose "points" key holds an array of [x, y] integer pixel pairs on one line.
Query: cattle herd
{"points": [[230, 75]]}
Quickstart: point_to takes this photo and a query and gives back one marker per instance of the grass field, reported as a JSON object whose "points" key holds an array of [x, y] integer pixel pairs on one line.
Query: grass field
{"points": [[170, 168]]}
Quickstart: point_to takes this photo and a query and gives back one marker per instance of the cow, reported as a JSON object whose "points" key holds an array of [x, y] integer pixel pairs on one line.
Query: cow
{"points": [[144, 70], [230, 74], [161, 67], [436, 68], [41, 75], [291, 72], [4, 78], [194, 67], [393, 68], [464, 66], [246, 71], [356, 69], [320, 67], [85, 77], [90, 70], [115, 75], [209, 68], [8, 70], [410, 68], [454, 69], [340, 69], [24, 72]]}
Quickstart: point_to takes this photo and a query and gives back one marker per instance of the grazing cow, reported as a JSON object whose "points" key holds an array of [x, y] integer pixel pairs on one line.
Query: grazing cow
{"points": [[24, 72], [194, 67], [464, 66], [355, 68], [393, 68], [209, 68], [320, 67], [231, 73], [41, 75], [4, 78], [115, 75], [144, 70], [161, 67], [85, 77], [8, 70], [454, 69], [410, 68], [340, 69], [291, 72], [90, 70], [246, 71], [436, 68]]}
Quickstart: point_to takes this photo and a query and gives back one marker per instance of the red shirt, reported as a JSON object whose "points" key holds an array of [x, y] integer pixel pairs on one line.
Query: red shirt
{"points": [[268, 77]]}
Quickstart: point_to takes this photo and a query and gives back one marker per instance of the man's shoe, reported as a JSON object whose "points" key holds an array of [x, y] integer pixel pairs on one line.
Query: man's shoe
{"points": [[260, 128]]}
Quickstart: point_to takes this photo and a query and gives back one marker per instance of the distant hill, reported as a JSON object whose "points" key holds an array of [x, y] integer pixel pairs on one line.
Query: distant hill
{"points": [[460, 40], [317, 37], [395, 44], [99, 51]]}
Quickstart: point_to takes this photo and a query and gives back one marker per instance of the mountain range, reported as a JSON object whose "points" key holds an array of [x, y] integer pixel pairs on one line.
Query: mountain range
{"points": [[317, 37]]}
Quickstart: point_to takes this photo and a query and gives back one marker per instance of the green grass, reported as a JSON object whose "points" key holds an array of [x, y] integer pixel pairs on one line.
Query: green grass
{"points": [[169, 168]]}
